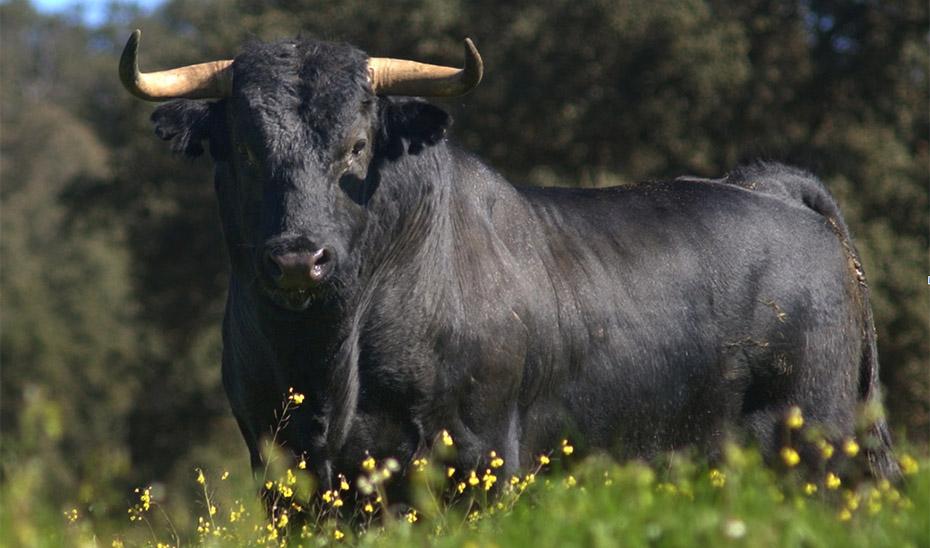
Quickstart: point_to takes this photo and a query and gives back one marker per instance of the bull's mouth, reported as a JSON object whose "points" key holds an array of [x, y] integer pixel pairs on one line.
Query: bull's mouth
{"points": [[295, 300]]}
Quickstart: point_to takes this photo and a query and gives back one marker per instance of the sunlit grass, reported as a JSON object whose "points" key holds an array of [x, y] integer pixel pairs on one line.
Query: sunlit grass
{"points": [[561, 501]]}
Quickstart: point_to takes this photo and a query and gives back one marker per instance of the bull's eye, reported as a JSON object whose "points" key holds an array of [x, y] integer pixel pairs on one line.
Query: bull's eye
{"points": [[358, 147]]}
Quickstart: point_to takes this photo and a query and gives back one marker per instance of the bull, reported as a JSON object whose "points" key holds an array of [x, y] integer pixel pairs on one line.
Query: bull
{"points": [[407, 288]]}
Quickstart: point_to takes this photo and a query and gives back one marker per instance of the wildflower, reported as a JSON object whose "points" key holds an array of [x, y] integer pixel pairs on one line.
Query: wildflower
{"points": [[302, 464], [717, 478], [282, 520], [446, 438], [514, 480], [411, 516], [369, 464], [71, 515], [908, 464], [570, 481], [473, 479], [845, 515], [810, 488], [392, 465], [851, 448], [833, 481], [295, 397], [795, 419], [734, 528], [225, 475], [460, 487], [369, 508], [291, 478], [790, 457], [200, 479], [543, 459], [146, 498], [420, 464], [337, 503], [212, 510], [474, 516], [117, 543], [567, 448], [338, 535], [450, 472], [489, 479], [328, 496], [285, 491], [269, 485], [496, 462], [826, 450], [852, 500]]}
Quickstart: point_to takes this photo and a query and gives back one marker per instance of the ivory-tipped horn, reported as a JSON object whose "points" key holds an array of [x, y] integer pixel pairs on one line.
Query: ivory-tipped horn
{"points": [[202, 81], [402, 77]]}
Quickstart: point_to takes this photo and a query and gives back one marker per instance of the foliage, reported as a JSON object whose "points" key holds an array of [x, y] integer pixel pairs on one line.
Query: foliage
{"points": [[113, 272]]}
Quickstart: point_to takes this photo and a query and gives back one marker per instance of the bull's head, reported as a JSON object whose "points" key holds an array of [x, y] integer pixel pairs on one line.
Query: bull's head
{"points": [[294, 131]]}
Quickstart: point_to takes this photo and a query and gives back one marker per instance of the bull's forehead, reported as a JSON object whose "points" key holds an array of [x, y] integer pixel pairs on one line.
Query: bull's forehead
{"points": [[300, 95]]}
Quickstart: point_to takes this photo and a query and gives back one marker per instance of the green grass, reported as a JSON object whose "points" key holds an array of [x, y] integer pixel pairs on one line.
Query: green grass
{"points": [[596, 502]]}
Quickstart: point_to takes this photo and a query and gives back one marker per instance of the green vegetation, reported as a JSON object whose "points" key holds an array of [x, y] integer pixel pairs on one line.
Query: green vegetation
{"points": [[112, 271]]}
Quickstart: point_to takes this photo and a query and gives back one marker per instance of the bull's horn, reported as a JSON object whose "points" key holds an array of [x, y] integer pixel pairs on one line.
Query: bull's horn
{"points": [[402, 77], [203, 81]]}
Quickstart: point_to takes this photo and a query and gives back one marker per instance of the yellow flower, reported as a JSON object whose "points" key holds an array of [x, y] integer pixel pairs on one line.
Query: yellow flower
{"points": [[420, 464], [225, 475], [295, 397], [343, 484], [302, 464], [285, 491], [571, 481], [450, 472], [717, 478], [908, 464], [369, 464], [795, 419], [328, 496], [833, 481], [411, 516], [826, 450], [489, 479], [117, 543], [338, 535], [844, 515], [473, 479], [460, 487], [212, 510], [543, 459], [282, 520], [291, 478], [369, 508], [446, 438], [810, 488], [337, 503], [851, 448], [269, 485], [71, 515], [497, 462], [567, 448], [790, 457], [200, 479]]}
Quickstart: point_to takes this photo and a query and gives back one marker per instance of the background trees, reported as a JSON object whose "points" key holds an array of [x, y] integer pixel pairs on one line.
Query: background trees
{"points": [[112, 266]]}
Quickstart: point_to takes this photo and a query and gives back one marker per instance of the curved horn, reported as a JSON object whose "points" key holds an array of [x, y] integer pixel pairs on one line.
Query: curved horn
{"points": [[403, 77], [203, 81]]}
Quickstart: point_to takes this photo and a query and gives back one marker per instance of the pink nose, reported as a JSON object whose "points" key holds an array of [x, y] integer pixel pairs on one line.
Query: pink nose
{"points": [[299, 269]]}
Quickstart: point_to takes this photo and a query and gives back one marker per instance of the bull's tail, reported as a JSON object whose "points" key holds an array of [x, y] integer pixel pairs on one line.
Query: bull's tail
{"points": [[799, 186]]}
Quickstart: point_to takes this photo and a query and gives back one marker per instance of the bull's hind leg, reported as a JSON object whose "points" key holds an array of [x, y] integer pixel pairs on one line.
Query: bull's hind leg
{"points": [[820, 381]]}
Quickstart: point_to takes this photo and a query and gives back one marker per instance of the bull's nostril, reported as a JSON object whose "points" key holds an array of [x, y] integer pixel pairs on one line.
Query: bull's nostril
{"points": [[272, 267], [322, 256]]}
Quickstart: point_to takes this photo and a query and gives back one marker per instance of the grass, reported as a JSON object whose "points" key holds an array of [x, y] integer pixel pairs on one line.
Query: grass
{"points": [[563, 501]]}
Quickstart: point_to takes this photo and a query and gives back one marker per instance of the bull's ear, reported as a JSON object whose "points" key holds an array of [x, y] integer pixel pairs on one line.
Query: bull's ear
{"points": [[419, 122], [185, 124]]}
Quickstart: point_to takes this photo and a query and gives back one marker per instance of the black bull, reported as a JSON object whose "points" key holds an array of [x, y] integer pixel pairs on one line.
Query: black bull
{"points": [[633, 319]]}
